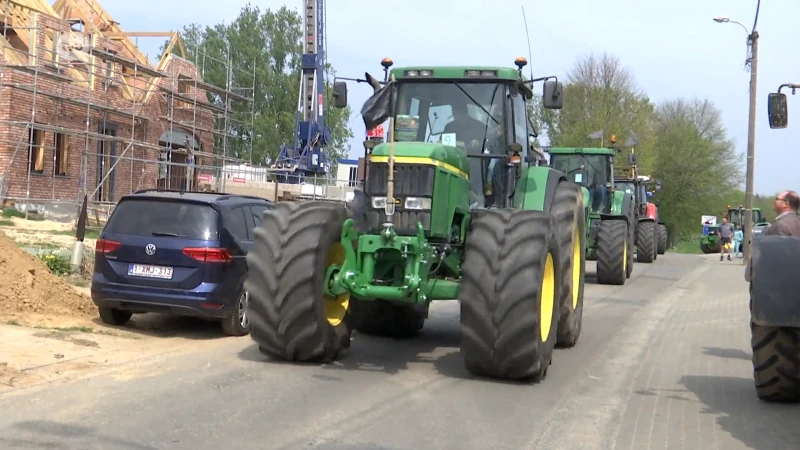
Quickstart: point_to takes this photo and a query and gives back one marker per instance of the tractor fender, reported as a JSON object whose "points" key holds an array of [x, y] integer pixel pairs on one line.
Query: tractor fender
{"points": [[626, 211], [537, 189], [553, 179], [773, 292], [651, 212]]}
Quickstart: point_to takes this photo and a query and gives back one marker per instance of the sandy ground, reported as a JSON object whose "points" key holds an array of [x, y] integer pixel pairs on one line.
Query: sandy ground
{"points": [[49, 327]]}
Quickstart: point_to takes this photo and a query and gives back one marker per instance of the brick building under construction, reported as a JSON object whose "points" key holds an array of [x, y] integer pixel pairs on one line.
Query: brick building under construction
{"points": [[84, 112]]}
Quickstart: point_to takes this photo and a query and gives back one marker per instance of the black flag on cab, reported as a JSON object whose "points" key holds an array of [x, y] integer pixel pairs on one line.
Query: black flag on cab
{"points": [[378, 108]]}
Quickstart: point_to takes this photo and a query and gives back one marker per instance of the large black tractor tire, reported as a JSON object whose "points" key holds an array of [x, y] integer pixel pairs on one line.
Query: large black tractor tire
{"points": [[509, 294], [381, 318], [646, 242], [661, 238], [290, 317], [570, 218], [776, 363], [612, 252]]}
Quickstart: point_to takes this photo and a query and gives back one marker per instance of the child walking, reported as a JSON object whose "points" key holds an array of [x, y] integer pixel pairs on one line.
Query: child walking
{"points": [[738, 237]]}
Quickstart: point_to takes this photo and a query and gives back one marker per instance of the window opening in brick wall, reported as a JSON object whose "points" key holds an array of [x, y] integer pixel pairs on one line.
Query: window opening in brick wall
{"points": [[56, 37], [106, 156], [60, 158], [35, 150], [13, 38]]}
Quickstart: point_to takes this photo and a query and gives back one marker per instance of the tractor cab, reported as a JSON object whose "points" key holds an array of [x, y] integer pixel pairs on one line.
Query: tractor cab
{"points": [[481, 111], [591, 168]]}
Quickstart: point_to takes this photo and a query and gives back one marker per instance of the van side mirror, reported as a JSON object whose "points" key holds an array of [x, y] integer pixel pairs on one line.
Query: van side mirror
{"points": [[553, 94], [339, 94], [777, 110]]}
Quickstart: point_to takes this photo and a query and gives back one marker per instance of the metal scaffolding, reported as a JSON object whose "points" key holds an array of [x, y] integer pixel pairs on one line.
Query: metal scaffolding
{"points": [[67, 88]]}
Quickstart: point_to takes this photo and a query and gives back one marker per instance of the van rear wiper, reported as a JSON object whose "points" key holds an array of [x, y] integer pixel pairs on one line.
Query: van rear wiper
{"points": [[161, 233]]}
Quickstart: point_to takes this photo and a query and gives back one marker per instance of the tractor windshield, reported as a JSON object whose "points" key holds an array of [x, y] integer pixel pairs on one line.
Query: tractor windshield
{"points": [[467, 115], [596, 168], [737, 216]]}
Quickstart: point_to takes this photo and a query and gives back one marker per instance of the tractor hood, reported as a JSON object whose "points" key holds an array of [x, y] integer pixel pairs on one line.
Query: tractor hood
{"points": [[417, 152]]}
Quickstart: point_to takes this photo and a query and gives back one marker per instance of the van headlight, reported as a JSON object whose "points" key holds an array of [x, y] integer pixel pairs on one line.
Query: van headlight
{"points": [[418, 203]]}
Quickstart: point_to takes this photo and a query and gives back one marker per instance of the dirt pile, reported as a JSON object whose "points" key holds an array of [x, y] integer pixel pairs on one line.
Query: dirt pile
{"points": [[27, 288]]}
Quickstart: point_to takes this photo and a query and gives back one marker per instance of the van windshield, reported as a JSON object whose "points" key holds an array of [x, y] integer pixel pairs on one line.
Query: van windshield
{"points": [[154, 217]]}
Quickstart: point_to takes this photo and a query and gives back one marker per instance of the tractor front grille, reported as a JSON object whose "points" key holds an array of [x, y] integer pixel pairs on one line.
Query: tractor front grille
{"points": [[410, 180], [405, 221]]}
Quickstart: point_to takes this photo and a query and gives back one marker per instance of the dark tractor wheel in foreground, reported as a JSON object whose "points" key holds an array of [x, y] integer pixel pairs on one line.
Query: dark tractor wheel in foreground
{"points": [[509, 291], [291, 317], [646, 242], [661, 238], [113, 316], [570, 219], [707, 249], [381, 318], [776, 363], [238, 322], [612, 252]]}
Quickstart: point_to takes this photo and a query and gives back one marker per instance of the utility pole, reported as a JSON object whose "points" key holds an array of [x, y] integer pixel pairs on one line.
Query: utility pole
{"points": [[751, 149], [752, 42]]}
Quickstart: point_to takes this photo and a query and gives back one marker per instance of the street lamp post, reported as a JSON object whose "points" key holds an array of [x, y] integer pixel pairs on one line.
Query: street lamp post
{"points": [[752, 40]]}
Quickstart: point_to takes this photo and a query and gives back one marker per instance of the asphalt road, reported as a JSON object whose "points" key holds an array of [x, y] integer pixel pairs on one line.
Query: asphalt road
{"points": [[386, 394]]}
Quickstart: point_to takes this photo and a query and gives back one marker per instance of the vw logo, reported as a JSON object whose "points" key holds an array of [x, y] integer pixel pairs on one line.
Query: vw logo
{"points": [[150, 249]]}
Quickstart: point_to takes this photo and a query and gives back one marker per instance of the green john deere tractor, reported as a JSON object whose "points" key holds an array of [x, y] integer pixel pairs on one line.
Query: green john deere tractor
{"points": [[456, 207], [611, 218], [710, 242]]}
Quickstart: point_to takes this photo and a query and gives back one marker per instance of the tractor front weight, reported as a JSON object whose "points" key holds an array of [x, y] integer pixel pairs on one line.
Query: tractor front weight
{"points": [[413, 253]]}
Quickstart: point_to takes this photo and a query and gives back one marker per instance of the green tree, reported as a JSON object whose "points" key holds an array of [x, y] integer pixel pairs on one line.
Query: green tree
{"points": [[697, 162], [258, 55], [600, 95]]}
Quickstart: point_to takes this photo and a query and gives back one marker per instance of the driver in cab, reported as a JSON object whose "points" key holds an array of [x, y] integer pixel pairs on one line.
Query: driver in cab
{"points": [[467, 129]]}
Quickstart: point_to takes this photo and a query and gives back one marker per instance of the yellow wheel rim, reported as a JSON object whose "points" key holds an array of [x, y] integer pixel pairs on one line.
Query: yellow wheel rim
{"points": [[625, 255], [336, 307], [577, 243], [548, 297]]}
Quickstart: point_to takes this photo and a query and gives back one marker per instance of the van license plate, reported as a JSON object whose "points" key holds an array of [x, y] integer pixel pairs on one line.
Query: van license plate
{"points": [[141, 270]]}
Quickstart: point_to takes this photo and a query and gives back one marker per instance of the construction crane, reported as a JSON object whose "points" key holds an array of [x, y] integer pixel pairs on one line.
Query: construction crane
{"points": [[306, 156]]}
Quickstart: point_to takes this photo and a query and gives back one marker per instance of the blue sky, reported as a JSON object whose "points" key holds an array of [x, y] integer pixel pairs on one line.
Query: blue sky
{"points": [[673, 48]]}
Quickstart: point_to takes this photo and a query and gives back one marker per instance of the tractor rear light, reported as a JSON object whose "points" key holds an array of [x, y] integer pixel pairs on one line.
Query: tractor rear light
{"points": [[412, 73], [105, 246], [209, 254], [418, 203]]}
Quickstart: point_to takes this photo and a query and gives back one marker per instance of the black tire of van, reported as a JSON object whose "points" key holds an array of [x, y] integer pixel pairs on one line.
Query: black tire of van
{"points": [[114, 316]]}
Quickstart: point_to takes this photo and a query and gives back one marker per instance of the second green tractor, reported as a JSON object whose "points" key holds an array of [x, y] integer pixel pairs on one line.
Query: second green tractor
{"points": [[457, 206], [611, 219]]}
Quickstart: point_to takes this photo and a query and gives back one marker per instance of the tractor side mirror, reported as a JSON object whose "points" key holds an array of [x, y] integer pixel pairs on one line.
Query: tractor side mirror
{"points": [[632, 159], [777, 110], [339, 94], [553, 95]]}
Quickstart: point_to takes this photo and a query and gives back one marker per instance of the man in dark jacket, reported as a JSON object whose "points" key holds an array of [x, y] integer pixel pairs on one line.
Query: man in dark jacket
{"points": [[786, 224]]}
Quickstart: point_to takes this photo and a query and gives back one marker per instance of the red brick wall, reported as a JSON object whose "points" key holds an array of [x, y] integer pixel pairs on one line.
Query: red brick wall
{"points": [[17, 105]]}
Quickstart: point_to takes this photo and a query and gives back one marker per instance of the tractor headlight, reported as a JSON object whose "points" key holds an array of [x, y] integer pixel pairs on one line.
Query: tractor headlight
{"points": [[378, 202], [418, 203]]}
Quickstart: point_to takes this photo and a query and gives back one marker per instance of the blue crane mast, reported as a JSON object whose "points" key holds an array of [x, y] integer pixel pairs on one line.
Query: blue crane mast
{"points": [[306, 157]]}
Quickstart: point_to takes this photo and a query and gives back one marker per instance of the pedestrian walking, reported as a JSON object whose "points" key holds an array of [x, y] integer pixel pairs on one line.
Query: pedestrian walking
{"points": [[726, 239], [738, 237]]}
